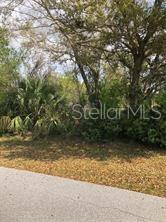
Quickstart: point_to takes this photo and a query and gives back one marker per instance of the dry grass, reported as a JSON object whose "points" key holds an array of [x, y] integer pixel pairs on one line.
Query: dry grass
{"points": [[118, 164]]}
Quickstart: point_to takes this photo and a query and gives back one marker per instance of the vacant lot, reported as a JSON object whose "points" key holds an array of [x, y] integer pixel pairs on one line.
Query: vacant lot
{"points": [[119, 164]]}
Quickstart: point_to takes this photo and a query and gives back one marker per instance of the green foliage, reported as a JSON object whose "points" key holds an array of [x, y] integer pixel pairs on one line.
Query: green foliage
{"points": [[152, 136], [5, 122], [9, 61], [40, 128], [8, 103], [17, 125], [73, 90], [42, 105], [152, 131], [28, 123], [113, 91], [38, 106], [52, 126], [100, 130], [45, 126], [38, 96]]}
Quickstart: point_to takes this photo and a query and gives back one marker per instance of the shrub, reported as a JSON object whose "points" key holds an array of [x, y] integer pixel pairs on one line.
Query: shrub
{"points": [[151, 131], [5, 122], [17, 125]]}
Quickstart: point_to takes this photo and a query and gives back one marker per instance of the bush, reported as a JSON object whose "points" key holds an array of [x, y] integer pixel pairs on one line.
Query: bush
{"points": [[99, 129], [5, 122], [151, 131], [17, 125]]}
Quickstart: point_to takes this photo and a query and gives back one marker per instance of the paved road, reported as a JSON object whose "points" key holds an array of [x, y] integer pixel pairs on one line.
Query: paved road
{"points": [[31, 197]]}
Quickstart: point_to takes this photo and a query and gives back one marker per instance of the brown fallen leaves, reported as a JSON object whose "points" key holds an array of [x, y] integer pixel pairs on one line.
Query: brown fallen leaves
{"points": [[119, 164]]}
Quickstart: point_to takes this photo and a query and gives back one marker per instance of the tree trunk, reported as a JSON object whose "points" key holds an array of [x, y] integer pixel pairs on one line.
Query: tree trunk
{"points": [[134, 89], [91, 88], [134, 101]]}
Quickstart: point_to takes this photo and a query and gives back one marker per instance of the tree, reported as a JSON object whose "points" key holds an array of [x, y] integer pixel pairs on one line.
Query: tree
{"points": [[73, 90], [128, 33], [71, 35], [137, 34], [9, 62]]}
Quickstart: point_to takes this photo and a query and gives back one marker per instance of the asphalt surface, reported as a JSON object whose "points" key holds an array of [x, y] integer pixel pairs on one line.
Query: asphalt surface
{"points": [[31, 197]]}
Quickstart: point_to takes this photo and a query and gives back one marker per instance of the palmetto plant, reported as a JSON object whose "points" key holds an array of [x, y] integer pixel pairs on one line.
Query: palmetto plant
{"points": [[45, 126], [38, 101], [28, 124], [17, 125], [30, 96], [5, 122]]}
